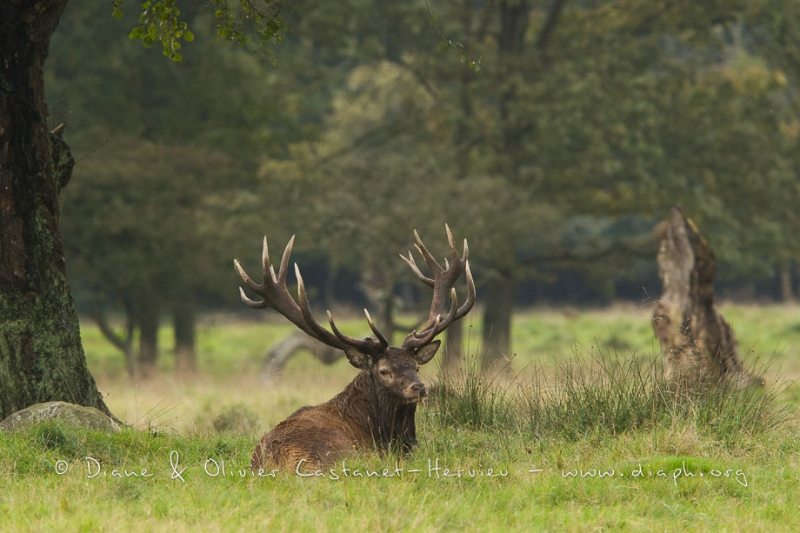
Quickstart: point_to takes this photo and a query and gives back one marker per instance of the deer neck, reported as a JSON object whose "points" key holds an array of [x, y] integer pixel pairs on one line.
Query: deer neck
{"points": [[377, 413]]}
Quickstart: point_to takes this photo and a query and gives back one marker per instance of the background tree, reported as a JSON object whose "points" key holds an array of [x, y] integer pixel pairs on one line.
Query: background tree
{"points": [[146, 209], [41, 357], [585, 124], [164, 199]]}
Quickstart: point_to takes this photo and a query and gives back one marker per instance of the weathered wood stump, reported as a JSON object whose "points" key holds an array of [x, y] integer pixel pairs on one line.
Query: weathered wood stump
{"points": [[697, 344]]}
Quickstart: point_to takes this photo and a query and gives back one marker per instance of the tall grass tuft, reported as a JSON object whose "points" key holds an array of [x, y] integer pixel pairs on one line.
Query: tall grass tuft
{"points": [[582, 396], [469, 397], [602, 394], [614, 394]]}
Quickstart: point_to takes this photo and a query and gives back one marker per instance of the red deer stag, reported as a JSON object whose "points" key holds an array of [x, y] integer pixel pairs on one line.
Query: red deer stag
{"points": [[376, 410]]}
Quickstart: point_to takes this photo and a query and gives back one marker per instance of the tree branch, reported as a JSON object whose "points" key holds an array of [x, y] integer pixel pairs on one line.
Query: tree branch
{"points": [[550, 23], [122, 343]]}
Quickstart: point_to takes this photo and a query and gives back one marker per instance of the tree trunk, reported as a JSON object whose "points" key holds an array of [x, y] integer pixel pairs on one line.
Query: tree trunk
{"points": [[697, 344], [499, 299], [41, 357], [497, 312], [385, 318], [379, 291], [514, 22], [148, 318], [183, 320], [463, 139], [453, 351], [785, 279]]}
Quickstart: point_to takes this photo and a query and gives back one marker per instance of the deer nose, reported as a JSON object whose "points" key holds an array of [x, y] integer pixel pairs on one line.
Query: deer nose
{"points": [[420, 389]]}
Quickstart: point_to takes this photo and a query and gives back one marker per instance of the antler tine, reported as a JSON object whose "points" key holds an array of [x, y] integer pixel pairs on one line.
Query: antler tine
{"points": [[337, 339], [257, 287], [415, 269], [381, 337], [265, 254], [255, 304], [455, 312], [451, 311], [471, 293], [366, 345], [443, 280], [305, 309], [451, 243], [420, 246], [275, 294], [443, 323], [265, 262], [453, 302], [341, 336], [415, 342], [287, 252], [450, 239]]}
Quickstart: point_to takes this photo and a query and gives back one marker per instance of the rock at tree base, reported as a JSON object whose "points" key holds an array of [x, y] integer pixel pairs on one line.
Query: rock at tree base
{"points": [[698, 345], [77, 415]]}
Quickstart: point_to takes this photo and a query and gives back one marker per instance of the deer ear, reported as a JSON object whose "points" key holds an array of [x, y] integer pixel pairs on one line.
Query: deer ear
{"points": [[358, 358], [426, 353]]}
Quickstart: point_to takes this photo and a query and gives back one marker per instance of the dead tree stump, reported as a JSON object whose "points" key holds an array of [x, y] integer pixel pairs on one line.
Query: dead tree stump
{"points": [[697, 344]]}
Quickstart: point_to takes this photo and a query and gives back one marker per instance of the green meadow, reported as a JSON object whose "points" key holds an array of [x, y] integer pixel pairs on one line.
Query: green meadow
{"points": [[578, 434]]}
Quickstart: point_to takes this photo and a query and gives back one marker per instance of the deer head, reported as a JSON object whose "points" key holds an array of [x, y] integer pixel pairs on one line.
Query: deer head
{"points": [[394, 369]]}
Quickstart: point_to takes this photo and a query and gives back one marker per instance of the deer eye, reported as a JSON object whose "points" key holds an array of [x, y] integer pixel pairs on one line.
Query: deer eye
{"points": [[384, 372]]}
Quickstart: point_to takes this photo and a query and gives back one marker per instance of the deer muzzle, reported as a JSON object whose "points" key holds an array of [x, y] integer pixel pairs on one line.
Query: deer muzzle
{"points": [[415, 392]]}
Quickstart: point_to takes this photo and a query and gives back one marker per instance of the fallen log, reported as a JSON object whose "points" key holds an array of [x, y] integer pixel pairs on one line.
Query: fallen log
{"points": [[280, 353]]}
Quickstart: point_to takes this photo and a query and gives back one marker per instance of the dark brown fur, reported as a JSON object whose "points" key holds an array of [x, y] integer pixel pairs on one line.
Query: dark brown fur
{"points": [[375, 411]]}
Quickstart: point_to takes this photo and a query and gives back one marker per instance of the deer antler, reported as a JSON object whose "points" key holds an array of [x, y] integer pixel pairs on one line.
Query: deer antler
{"points": [[276, 295], [442, 280]]}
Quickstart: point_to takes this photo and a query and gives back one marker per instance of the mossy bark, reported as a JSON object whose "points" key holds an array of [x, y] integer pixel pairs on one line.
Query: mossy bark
{"points": [[41, 357]]}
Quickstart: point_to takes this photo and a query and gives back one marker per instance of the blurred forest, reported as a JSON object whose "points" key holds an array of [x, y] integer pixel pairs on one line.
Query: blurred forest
{"points": [[553, 135]]}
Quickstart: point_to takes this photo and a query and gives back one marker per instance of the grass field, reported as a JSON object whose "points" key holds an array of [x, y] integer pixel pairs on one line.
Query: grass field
{"points": [[604, 451]]}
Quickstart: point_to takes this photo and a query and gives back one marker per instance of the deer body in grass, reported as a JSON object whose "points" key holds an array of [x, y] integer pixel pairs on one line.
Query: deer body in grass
{"points": [[377, 409]]}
